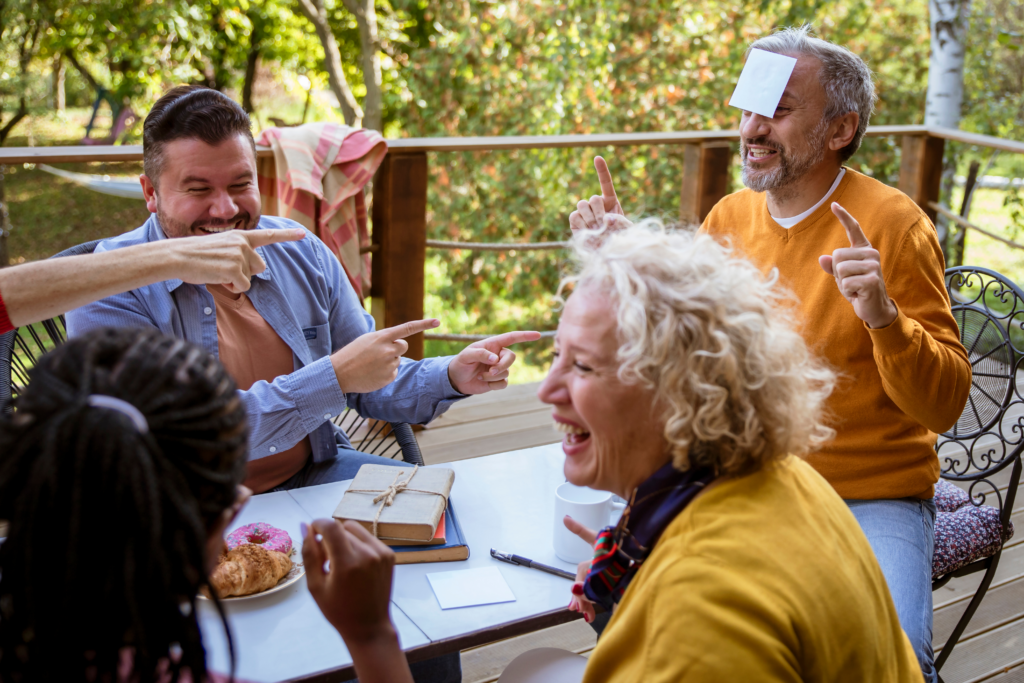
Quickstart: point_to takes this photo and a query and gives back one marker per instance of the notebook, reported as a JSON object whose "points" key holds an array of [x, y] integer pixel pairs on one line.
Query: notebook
{"points": [[454, 548]]}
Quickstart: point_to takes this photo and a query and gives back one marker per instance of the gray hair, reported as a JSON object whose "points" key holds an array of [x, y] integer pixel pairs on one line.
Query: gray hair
{"points": [[844, 76]]}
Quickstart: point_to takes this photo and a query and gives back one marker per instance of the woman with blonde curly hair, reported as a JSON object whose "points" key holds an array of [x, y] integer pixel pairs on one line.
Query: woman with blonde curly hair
{"points": [[683, 385]]}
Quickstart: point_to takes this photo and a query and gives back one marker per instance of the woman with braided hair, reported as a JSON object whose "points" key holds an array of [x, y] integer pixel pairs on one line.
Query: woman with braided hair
{"points": [[120, 469]]}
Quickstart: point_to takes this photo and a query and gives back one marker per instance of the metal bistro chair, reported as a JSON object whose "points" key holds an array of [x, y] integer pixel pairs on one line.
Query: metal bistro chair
{"points": [[980, 458], [21, 348], [377, 437]]}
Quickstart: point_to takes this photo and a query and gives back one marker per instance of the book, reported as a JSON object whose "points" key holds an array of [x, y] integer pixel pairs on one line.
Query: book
{"points": [[415, 511], [454, 548], [438, 539]]}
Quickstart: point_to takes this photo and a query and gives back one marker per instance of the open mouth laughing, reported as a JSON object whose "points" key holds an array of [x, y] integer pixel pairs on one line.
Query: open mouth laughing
{"points": [[757, 154], [574, 434], [238, 224]]}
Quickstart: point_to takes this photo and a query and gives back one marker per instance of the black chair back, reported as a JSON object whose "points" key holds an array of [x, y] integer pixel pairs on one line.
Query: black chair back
{"points": [[982, 450]]}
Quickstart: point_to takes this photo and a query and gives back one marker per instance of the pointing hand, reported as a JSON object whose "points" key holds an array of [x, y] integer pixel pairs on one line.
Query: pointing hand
{"points": [[858, 274], [603, 210], [483, 366], [371, 361]]}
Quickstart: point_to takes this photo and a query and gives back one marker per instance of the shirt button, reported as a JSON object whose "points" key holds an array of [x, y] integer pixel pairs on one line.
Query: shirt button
{"points": [[327, 416], [207, 310], [273, 449]]}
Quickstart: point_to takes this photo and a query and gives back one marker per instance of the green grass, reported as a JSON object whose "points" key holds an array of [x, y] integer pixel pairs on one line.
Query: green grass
{"points": [[980, 250]]}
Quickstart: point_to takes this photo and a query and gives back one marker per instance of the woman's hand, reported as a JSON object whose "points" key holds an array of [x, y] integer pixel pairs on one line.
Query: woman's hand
{"points": [[579, 602], [354, 595]]}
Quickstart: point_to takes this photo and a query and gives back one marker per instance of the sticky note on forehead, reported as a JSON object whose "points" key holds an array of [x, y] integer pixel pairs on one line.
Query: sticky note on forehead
{"points": [[762, 82]]}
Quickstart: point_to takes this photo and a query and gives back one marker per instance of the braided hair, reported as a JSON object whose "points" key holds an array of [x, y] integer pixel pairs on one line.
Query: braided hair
{"points": [[109, 524]]}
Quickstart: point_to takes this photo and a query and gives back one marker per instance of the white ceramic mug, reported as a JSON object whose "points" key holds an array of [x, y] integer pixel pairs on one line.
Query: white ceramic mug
{"points": [[593, 509]]}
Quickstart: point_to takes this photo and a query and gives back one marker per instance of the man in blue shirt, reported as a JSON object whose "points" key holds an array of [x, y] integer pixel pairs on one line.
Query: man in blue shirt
{"points": [[200, 179]]}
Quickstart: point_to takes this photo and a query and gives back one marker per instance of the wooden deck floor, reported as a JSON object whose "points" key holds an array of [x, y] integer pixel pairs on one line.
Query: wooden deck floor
{"points": [[992, 649]]}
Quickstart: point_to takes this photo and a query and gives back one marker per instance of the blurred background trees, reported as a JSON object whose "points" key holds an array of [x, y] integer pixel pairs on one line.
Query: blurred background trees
{"points": [[488, 67]]}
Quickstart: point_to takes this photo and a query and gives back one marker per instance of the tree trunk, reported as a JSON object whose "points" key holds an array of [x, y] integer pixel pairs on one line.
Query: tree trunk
{"points": [[251, 63], [369, 41], [90, 79], [949, 19], [59, 71], [315, 12], [21, 113]]}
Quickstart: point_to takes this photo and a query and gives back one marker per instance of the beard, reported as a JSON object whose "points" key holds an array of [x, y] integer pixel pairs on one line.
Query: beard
{"points": [[175, 228], [781, 180]]}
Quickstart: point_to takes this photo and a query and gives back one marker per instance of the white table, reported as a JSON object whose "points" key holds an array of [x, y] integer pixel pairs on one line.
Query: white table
{"points": [[503, 501]]}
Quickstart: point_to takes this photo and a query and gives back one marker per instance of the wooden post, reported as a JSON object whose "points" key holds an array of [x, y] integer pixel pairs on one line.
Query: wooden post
{"points": [[921, 170], [400, 235], [705, 179]]}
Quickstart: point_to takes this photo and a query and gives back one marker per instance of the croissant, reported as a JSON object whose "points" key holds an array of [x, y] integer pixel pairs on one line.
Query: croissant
{"points": [[248, 569]]}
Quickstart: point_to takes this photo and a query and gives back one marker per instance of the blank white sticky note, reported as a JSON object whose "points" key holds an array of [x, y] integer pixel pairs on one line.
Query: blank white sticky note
{"points": [[468, 587], [762, 82]]}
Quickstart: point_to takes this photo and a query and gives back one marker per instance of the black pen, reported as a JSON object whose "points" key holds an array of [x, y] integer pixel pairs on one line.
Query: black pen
{"points": [[526, 562]]}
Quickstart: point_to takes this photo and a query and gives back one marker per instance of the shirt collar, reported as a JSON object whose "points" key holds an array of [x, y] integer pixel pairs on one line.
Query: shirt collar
{"points": [[155, 233]]}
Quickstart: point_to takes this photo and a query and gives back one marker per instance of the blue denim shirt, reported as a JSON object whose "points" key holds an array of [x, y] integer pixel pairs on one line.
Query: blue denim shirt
{"points": [[306, 297]]}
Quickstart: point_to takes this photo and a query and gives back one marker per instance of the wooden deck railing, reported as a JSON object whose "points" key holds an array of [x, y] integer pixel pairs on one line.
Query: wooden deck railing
{"points": [[399, 234]]}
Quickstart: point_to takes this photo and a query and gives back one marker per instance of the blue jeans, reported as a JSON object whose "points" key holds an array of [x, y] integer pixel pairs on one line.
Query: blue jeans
{"points": [[902, 534], [443, 669]]}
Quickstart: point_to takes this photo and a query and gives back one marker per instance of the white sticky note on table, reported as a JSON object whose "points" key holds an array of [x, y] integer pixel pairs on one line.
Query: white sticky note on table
{"points": [[468, 587], [762, 82]]}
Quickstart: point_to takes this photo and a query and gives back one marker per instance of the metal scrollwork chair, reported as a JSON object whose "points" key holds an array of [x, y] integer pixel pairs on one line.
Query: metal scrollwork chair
{"points": [[980, 457]]}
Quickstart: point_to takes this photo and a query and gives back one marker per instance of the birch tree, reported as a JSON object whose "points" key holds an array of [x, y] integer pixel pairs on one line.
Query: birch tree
{"points": [[949, 20]]}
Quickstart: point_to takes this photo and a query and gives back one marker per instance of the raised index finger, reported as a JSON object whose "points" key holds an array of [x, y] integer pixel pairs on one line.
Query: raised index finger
{"points": [[509, 338], [410, 328], [853, 231], [604, 177], [258, 238]]}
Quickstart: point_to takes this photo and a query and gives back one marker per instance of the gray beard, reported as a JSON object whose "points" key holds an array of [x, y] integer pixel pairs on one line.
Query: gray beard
{"points": [[782, 180]]}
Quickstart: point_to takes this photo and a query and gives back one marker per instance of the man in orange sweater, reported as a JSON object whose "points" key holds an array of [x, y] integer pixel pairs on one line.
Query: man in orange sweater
{"points": [[872, 297]]}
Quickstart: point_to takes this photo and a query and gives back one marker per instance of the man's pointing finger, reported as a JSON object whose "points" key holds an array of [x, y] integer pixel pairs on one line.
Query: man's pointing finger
{"points": [[508, 338], [410, 328], [853, 231]]}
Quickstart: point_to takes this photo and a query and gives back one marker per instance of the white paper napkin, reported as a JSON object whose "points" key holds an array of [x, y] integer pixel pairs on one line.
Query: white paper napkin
{"points": [[468, 587]]}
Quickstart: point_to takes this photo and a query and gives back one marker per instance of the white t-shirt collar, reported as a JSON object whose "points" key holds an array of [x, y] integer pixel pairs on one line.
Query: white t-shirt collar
{"points": [[790, 222]]}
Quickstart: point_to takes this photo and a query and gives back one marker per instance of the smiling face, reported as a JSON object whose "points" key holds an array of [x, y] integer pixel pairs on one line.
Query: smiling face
{"points": [[205, 189], [778, 151], [613, 441]]}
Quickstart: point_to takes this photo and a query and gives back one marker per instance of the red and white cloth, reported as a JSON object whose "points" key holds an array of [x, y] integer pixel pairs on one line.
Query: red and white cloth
{"points": [[317, 180]]}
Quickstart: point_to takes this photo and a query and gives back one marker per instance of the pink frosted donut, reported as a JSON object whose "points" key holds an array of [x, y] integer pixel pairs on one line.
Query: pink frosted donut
{"points": [[261, 534]]}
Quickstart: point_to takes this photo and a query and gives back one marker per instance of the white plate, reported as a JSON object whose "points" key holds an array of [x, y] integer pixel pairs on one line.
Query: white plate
{"points": [[297, 571]]}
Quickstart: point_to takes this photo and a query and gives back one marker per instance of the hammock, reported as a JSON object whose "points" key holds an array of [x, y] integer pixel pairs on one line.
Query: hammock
{"points": [[118, 187]]}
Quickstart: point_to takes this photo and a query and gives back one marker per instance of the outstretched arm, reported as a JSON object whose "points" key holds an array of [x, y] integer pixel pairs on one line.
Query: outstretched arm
{"points": [[41, 290]]}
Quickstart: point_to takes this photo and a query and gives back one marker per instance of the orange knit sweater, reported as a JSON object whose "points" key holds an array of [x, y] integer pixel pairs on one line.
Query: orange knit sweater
{"points": [[898, 385]]}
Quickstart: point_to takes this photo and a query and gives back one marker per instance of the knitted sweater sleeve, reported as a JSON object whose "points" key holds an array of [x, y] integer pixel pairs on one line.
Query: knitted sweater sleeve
{"points": [[923, 365]]}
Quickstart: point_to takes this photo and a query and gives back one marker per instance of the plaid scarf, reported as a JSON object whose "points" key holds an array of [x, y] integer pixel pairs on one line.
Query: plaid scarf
{"points": [[619, 551]]}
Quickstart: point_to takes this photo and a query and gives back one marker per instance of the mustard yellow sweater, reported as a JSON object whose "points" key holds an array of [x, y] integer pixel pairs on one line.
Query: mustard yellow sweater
{"points": [[764, 578], [898, 385]]}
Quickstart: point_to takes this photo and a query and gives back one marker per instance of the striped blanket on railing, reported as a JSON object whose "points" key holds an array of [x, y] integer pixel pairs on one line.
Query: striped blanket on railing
{"points": [[316, 178]]}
